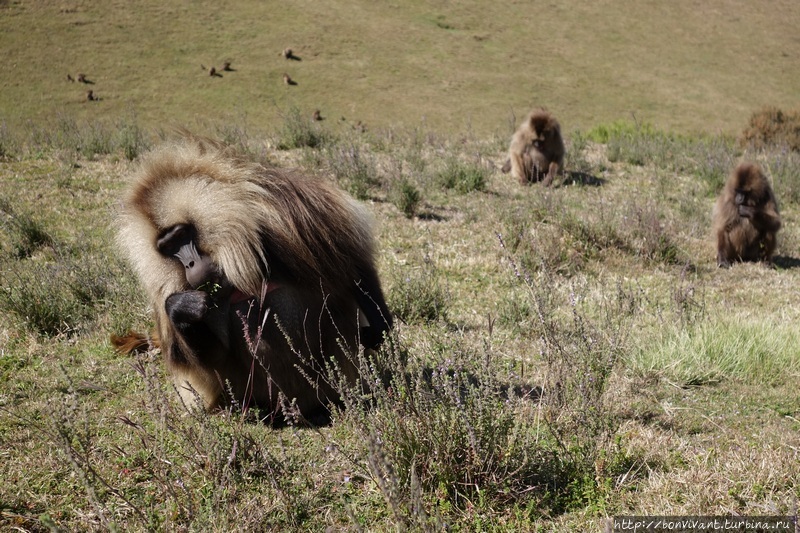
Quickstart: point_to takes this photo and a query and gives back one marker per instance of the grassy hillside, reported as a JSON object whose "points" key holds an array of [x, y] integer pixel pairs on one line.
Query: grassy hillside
{"points": [[683, 65]]}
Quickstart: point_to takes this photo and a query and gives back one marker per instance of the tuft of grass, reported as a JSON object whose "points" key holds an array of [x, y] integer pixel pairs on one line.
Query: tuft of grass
{"points": [[462, 176], [354, 169], [59, 293], [8, 143], [299, 131], [710, 351], [648, 236], [419, 294], [575, 159], [25, 232], [406, 197], [545, 234], [783, 165], [550, 235], [710, 158], [89, 140], [619, 129], [52, 287], [131, 140], [516, 311], [640, 147]]}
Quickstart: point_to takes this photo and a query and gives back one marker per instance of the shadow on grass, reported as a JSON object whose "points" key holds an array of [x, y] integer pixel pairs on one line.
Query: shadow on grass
{"points": [[430, 216], [582, 178], [786, 262]]}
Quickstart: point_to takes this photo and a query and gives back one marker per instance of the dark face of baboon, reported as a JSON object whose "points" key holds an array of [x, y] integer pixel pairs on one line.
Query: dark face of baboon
{"points": [[746, 218], [178, 241], [258, 277], [537, 149]]}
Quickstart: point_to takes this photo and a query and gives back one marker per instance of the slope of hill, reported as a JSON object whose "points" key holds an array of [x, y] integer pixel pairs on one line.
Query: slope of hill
{"points": [[683, 65]]}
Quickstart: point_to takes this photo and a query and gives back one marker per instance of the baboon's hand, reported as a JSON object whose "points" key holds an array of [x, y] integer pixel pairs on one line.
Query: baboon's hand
{"points": [[187, 307]]}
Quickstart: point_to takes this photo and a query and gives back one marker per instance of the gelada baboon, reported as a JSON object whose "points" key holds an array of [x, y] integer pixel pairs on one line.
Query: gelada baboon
{"points": [[537, 149], [746, 217], [258, 277]]}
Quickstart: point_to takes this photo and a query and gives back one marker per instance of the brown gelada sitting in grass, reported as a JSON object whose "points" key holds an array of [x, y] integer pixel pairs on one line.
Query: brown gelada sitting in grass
{"points": [[746, 218], [259, 278]]}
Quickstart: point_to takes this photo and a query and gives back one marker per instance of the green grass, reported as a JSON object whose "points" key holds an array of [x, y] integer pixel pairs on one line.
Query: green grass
{"points": [[741, 348]]}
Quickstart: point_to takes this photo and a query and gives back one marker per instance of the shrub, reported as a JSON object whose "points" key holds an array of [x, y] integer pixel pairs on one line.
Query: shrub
{"points": [[450, 432], [406, 197], [772, 127], [580, 357], [604, 133]]}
